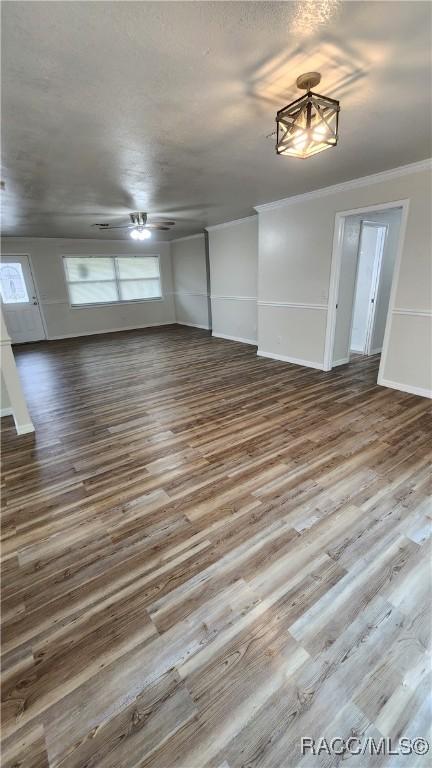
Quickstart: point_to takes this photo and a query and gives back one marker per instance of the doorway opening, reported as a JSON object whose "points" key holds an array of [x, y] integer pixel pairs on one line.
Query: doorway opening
{"points": [[366, 258], [365, 338]]}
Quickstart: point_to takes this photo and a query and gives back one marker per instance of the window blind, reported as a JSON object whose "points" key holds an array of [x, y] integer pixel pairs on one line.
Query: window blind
{"points": [[110, 279]]}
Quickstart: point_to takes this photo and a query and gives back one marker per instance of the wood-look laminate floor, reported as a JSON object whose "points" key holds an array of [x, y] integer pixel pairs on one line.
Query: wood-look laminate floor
{"points": [[208, 555]]}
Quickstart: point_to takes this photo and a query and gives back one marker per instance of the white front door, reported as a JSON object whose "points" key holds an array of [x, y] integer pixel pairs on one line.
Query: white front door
{"points": [[19, 300]]}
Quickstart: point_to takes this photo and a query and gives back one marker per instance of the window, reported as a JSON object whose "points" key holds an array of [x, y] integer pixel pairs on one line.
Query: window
{"points": [[110, 279], [12, 285]]}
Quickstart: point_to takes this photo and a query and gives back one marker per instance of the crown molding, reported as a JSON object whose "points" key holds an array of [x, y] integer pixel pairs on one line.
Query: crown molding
{"points": [[364, 181], [230, 223], [186, 237]]}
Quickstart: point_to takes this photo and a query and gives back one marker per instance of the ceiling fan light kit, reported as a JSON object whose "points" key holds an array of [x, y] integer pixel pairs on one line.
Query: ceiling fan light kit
{"points": [[140, 234], [308, 125], [139, 226]]}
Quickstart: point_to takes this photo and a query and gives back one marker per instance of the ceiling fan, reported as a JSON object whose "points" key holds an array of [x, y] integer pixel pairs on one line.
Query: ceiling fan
{"points": [[140, 227]]}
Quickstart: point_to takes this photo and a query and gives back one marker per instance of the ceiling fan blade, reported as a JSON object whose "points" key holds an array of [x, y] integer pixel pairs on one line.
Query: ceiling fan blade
{"points": [[162, 221], [157, 226], [103, 227]]}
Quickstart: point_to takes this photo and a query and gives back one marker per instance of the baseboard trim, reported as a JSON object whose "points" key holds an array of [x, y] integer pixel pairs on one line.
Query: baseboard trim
{"points": [[293, 360], [358, 351], [109, 330], [24, 429], [342, 361], [234, 338], [193, 325], [420, 391], [6, 412]]}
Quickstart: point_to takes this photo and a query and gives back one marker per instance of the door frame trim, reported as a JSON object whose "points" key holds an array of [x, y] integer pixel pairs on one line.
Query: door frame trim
{"points": [[335, 276], [27, 255]]}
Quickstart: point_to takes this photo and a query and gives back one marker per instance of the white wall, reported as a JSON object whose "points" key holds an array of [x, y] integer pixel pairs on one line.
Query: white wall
{"points": [[189, 266], [233, 251], [61, 320], [295, 250]]}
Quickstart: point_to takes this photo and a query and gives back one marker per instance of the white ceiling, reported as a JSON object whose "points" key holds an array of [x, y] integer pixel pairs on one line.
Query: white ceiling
{"points": [[111, 107]]}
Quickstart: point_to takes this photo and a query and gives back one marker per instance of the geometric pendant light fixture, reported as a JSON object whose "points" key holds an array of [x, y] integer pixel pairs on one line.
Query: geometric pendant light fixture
{"points": [[308, 125]]}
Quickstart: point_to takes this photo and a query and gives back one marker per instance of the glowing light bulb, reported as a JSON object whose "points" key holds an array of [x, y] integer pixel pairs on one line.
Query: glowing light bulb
{"points": [[140, 234], [300, 141], [319, 133]]}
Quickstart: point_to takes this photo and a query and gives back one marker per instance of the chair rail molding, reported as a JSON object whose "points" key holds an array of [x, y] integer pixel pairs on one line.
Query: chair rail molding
{"points": [[233, 298], [292, 304], [414, 312]]}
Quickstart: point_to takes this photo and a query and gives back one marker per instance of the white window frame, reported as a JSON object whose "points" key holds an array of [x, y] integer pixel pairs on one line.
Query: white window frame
{"points": [[114, 256]]}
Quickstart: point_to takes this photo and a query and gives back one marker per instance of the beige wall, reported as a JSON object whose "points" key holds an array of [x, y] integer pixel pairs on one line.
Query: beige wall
{"points": [[295, 250], [63, 320], [190, 281], [233, 250], [299, 330]]}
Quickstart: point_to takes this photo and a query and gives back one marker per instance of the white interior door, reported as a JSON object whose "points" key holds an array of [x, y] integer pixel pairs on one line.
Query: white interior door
{"points": [[19, 300], [372, 239], [376, 277], [346, 290]]}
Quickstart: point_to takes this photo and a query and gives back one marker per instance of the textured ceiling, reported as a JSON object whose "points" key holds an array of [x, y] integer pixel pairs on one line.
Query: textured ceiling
{"points": [[168, 107]]}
